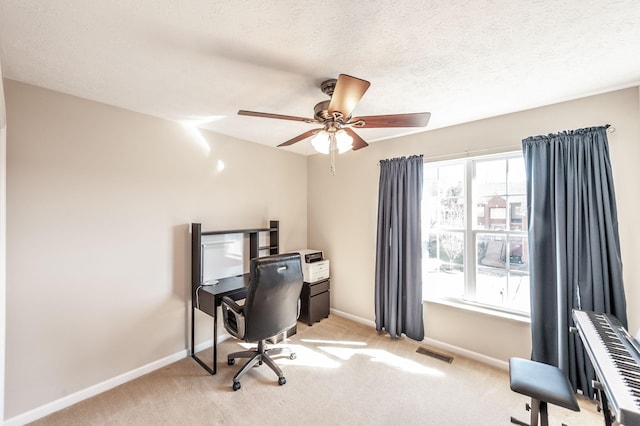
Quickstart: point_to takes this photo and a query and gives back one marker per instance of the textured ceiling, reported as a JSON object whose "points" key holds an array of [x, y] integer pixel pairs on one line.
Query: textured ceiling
{"points": [[206, 59]]}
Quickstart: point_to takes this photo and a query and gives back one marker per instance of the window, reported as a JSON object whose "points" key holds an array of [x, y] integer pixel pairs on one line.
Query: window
{"points": [[474, 226]]}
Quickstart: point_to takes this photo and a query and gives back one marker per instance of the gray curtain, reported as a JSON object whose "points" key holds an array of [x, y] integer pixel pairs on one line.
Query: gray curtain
{"points": [[573, 242], [399, 248]]}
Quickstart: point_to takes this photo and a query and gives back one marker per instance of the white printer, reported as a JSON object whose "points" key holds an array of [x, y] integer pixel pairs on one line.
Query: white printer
{"points": [[314, 266]]}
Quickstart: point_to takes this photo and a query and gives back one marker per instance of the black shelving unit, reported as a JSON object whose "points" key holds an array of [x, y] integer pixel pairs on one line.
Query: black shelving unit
{"points": [[254, 248]]}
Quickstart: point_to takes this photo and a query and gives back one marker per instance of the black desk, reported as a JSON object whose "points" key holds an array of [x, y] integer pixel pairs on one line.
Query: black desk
{"points": [[207, 299]]}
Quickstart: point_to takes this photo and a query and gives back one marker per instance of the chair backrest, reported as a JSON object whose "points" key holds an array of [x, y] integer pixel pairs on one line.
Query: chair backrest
{"points": [[271, 304]]}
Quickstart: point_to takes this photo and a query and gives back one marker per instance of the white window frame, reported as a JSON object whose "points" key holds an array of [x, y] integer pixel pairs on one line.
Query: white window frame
{"points": [[471, 232]]}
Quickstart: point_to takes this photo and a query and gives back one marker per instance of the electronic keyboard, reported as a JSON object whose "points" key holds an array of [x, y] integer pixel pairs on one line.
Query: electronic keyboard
{"points": [[615, 356]]}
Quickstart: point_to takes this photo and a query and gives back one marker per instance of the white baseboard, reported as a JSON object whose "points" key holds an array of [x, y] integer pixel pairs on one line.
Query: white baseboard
{"points": [[207, 344], [91, 391], [504, 365], [353, 318], [74, 398]]}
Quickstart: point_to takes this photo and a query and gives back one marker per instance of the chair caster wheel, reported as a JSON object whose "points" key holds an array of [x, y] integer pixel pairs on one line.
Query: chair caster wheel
{"points": [[293, 355], [236, 386], [281, 381], [231, 361]]}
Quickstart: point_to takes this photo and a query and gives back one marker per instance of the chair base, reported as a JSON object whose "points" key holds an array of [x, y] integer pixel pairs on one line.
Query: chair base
{"points": [[258, 356]]}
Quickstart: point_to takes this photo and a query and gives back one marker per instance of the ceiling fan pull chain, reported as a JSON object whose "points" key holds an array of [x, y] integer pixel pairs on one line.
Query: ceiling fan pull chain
{"points": [[333, 148]]}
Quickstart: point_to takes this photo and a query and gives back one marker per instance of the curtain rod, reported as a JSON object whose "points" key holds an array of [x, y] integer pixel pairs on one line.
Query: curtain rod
{"points": [[498, 149], [463, 154]]}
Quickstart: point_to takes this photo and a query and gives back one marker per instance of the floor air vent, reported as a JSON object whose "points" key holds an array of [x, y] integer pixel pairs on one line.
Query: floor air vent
{"points": [[433, 354]]}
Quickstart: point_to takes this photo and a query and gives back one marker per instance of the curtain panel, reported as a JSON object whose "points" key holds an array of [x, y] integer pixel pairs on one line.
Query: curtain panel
{"points": [[573, 242], [398, 279]]}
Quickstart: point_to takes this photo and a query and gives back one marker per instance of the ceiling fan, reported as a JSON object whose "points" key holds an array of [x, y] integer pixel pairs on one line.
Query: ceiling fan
{"points": [[334, 117]]}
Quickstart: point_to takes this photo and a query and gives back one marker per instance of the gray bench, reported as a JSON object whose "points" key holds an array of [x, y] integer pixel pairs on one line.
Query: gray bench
{"points": [[544, 384]]}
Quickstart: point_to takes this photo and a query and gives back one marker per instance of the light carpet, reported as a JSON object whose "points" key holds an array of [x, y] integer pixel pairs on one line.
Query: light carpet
{"points": [[345, 373]]}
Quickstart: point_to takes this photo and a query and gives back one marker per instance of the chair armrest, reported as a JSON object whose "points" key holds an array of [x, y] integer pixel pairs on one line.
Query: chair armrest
{"points": [[233, 317], [231, 304]]}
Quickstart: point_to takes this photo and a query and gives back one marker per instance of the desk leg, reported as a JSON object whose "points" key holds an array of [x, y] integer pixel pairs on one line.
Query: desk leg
{"points": [[193, 326], [215, 342]]}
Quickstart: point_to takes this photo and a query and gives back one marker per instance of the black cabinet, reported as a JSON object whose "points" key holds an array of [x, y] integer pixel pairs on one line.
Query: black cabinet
{"points": [[314, 301]]}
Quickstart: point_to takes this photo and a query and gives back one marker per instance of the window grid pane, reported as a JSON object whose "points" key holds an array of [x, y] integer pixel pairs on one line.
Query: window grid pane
{"points": [[496, 265], [443, 227]]}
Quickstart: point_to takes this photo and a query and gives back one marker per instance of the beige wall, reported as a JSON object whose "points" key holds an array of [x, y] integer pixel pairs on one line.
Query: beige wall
{"points": [[99, 198], [98, 202], [3, 238], [342, 210]]}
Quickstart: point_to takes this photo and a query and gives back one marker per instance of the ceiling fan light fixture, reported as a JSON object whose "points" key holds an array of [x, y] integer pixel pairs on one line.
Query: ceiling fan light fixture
{"points": [[320, 142], [344, 141]]}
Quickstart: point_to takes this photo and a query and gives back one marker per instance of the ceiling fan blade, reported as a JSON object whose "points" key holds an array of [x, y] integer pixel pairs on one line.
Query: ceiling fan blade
{"points": [[418, 119], [298, 138], [358, 142], [347, 93], [278, 116]]}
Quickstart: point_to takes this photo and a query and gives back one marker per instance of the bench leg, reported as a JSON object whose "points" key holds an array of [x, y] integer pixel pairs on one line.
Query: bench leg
{"points": [[538, 412], [543, 413]]}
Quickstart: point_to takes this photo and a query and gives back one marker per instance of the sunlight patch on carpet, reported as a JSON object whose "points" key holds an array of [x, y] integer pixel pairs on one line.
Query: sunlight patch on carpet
{"points": [[383, 357], [334, 342]]}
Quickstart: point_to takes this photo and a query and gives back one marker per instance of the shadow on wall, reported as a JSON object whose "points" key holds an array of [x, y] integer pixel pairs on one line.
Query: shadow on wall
{"points": [[182, 274]]}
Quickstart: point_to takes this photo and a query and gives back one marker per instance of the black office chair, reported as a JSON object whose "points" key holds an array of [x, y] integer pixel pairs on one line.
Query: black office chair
{"points": [[270, 308]]}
